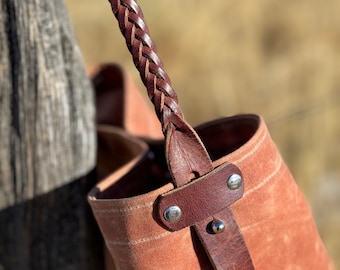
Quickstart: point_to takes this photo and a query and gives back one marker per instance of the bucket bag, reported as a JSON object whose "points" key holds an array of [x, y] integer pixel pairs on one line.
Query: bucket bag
{"points": [[217, 196]]}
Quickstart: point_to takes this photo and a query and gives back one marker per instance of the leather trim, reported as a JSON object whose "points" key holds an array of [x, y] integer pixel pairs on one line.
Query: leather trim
{"points": [[200, 198], [226, 250], [185, 152]]}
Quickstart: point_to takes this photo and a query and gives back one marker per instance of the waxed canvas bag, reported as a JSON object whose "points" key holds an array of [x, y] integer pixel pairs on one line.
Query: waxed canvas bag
{"points": [[215, 197]]}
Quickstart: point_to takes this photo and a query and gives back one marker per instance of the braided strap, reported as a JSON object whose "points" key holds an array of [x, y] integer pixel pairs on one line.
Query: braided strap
{"points": [[146, 60], [186, 156]]}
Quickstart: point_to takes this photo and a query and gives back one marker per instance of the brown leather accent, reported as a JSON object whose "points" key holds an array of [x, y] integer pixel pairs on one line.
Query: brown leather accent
{"points": [[277, 236], [226, 250], [186, 155], [201, 198], [138, 40]]}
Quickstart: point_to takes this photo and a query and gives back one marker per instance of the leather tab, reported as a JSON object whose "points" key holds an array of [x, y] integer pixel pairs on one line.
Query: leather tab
{"points": [[186, 155], [200, 198], [226, 250]]}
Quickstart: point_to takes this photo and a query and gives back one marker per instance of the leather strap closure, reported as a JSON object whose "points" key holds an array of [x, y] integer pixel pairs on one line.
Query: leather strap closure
{"points": [[186, 155], [200, 198], [226, 250]]}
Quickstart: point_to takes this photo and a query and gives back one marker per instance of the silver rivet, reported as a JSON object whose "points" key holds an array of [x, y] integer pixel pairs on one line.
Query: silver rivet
{"points": [[217, 226], [172, 213], [234, 181]]}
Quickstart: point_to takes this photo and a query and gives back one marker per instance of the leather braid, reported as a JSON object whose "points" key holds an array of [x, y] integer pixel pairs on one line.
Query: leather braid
{"points": [[143, 50], [185, 153]]}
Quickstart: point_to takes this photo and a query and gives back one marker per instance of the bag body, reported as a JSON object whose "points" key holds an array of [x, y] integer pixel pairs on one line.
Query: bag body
{"points": [[215, 197], [273, 216]]}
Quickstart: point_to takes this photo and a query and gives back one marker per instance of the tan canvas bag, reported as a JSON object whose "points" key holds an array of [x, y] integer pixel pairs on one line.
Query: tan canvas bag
{"points": [[215, 197]]}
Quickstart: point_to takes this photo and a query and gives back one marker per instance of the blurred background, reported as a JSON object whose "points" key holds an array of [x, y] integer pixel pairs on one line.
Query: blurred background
{"points": [[279, 59]]}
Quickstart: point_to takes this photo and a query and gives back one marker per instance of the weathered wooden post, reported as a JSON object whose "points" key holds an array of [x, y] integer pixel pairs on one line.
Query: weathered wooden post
{"points": [[47, 141]]}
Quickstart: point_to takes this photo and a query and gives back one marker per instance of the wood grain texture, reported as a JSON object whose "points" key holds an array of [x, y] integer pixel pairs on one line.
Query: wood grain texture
{"points": [[46, 104], [47, 140]]}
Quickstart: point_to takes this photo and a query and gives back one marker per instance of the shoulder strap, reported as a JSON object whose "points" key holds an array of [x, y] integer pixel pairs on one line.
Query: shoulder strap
{"points": [[188, 161], [186, 155]]}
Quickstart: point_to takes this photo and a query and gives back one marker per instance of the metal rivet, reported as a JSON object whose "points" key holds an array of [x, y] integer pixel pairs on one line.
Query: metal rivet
{"points": [[234, 181], [217, 226], [172, 213]]}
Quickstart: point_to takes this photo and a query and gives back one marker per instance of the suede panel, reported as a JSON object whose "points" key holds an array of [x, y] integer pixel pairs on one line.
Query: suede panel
{"points": [[135, 240], [273, 216]]}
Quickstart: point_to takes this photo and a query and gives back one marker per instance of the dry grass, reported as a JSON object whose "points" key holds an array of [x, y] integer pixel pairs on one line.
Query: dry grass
{"points": [[280, 59]]}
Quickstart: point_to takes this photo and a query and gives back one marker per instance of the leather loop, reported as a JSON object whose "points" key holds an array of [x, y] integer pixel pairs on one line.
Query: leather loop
{"points": [[186, 155], [182, 141], [201, 198], [185, 152], [226, 250]]}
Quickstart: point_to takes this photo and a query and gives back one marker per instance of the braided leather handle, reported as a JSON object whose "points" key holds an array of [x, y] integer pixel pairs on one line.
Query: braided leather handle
{"points": [[186, 156], [146, 60], [185, 152]]}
